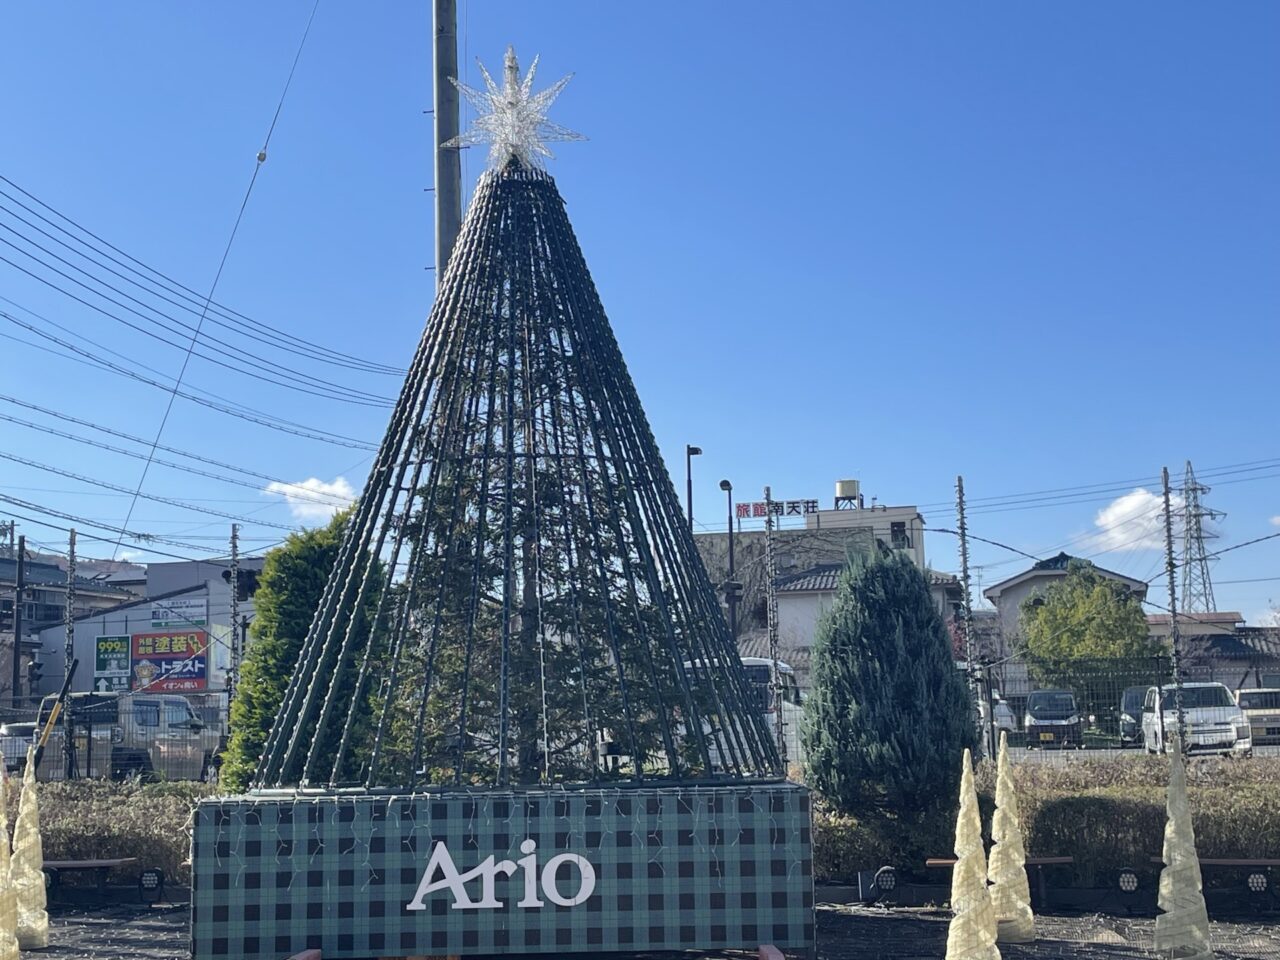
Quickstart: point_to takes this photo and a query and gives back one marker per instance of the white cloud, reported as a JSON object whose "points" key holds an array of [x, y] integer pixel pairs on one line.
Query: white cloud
{"points": [[314, 500], [1134, 521], [1276, 521]]}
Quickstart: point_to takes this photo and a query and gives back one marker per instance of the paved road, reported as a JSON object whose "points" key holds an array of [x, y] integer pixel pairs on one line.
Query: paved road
{"points": [[1022, 754], [844, 933]]}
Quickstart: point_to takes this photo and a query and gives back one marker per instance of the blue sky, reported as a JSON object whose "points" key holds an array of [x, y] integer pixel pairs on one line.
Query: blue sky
{"points": [[1034, 244]]}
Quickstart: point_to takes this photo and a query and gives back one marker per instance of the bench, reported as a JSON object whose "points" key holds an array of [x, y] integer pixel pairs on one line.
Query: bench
{"points": [[1228, 862], [54, 869], [1038, 862]]}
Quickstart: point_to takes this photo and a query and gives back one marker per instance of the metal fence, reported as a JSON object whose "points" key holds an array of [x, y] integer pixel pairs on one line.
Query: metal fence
{"points": [[1055, 709], [154, 736]]}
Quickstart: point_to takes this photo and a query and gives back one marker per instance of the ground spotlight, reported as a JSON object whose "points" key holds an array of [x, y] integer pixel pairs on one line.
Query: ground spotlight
{"points": [[151, 885], [886, 879], [1127, 881], [1258, 882]]}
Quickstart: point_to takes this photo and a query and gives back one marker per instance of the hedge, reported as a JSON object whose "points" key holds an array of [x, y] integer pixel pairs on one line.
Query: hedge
{"points": [[1108, 814], [97, 819]]}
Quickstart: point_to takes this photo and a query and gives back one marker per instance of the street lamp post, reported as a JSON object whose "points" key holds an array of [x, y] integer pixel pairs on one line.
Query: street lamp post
{"points": [[731, 586], [690, 451]]}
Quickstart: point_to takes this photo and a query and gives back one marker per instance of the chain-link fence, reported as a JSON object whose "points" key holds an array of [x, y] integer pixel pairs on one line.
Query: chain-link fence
{"points": [[1054, 709], [154, 736]]}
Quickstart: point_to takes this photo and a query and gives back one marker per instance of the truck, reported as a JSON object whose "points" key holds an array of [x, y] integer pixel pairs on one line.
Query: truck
{"points": [[124, 734]]}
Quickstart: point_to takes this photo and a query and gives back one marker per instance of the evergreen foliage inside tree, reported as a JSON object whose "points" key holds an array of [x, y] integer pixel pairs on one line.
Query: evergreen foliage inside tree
{"points": [[289, 590], [889, 714]]}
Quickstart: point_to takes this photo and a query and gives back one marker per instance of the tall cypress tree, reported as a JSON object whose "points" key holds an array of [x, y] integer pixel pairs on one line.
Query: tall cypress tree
{"points": [[889, 714], [289, 589]]}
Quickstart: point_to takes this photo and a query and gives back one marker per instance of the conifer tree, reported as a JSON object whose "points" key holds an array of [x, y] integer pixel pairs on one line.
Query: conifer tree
{"points": [[289, 590], [889, 712]]}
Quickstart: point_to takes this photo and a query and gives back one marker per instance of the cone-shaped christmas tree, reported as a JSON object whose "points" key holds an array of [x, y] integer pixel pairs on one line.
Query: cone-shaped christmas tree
{"points": [[1182, 928], [1010, 892], [518, 598], [26, 871], [8, 896], [972, 933]]}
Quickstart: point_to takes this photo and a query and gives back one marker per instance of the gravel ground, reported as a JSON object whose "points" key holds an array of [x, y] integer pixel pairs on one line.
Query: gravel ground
{"points": [[844, 933]]}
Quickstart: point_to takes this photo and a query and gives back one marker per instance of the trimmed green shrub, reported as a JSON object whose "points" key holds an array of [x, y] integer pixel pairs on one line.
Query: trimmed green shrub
{"points": [[101, 820], [889, 713], [1108, 814]]}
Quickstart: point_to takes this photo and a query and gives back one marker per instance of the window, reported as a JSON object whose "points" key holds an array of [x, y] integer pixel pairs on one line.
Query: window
{"points": [[176, 713], [146, 714], [1260, 700], [898, 535], [1199, 698]]}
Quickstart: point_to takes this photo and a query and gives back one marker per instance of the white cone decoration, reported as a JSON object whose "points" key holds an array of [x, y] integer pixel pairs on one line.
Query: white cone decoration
{"points": [[8, 899], [27, 869], [1010, 892], [972, 933], [1182, 928]]}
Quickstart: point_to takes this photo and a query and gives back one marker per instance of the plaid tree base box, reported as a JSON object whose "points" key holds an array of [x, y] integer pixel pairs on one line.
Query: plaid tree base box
{"points": [[556, 872]]}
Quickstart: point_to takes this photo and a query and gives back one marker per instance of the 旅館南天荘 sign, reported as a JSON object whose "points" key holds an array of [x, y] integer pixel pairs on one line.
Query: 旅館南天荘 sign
{"points": [[171, 662], [756, 509]]}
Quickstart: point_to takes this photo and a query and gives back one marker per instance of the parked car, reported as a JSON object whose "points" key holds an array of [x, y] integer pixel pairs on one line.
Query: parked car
{"points": [[1215, 723], [14, 740], [1006, 720], [1053, 720], [1131, 716], [118, 735], [759, 671], [1262, 709]]}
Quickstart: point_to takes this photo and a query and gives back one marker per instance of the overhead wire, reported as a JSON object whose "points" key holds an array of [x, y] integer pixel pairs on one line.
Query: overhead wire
{"points": [[290, 378], [296, 491], [106, 485], [201, 458], [261, 158], [182, 297], [220, 404]]}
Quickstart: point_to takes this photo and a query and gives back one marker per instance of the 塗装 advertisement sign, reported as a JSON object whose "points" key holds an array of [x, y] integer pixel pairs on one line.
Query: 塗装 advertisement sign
{"points": [[171, 662]]}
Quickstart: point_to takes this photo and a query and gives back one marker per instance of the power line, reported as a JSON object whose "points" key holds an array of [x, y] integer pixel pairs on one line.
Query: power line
{"points": [[182, 504], [298, 492], [190, 304], [262, 157], [174, 450], [302, 382], [203, 398]]}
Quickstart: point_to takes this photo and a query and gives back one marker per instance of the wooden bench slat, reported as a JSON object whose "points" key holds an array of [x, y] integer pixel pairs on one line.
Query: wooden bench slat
{"points": [[1229, 862], [1030, 861], [88, 864]]}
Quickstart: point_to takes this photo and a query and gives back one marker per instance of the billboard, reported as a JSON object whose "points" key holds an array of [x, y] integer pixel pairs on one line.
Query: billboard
{"points": [[174, 661], [181, 612], [111, 664]]}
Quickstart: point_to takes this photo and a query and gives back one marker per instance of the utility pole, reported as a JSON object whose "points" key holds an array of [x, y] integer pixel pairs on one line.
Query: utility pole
{"points": [[1174, 643], [771, 603], [69, 621], [966, 612], [234, 674], [448, 164], [19, 595]]}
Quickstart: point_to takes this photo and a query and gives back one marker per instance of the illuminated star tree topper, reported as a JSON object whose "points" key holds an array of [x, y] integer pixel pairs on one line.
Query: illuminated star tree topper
{"points": [[512, 119]]}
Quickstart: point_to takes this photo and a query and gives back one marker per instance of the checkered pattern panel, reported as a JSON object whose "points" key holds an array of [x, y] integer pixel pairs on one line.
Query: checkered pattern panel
{"points": [[676, 869]]}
